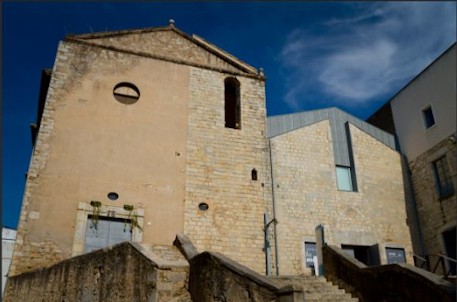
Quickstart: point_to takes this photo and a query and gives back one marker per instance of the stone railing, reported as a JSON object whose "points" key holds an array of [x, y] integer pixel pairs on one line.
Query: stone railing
{"points": [[123, 272], [392, 282], [214, 277]]}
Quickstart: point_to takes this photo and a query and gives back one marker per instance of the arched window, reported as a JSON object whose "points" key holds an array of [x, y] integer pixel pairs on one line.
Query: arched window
{"points": [[254, 174], [232, 103]]}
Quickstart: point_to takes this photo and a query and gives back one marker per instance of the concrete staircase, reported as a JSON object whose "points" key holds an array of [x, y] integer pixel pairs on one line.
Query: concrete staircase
{"points": [[315, 288]]}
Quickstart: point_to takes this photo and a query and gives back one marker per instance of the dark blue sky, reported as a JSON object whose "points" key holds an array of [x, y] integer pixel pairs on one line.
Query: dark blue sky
{"points": [[315, 54]]}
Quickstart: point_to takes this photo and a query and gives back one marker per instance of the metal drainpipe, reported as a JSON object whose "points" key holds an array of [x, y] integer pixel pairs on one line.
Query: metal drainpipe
{"points": [[274, 209]]}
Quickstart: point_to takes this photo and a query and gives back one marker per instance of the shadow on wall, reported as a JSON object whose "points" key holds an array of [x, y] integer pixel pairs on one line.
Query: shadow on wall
{"points": [[132, 272], [392, 282]]}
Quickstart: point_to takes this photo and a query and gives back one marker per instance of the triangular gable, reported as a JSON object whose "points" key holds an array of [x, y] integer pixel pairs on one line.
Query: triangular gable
{"points": [[171, 44], [281, 124]]}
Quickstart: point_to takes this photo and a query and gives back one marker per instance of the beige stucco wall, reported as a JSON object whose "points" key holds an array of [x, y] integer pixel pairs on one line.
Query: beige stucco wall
{"points": [[306, 195], [219, 167], [89, 144], [435, 87]]}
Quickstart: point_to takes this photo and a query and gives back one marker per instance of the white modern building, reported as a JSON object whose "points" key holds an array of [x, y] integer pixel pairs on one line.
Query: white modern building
{"points": [[8, 239]]}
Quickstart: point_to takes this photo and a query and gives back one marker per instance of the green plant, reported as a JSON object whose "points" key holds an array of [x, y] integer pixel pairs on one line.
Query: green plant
{"points": [[134, 223], [95, 212], [128, 207], [133, 217]]}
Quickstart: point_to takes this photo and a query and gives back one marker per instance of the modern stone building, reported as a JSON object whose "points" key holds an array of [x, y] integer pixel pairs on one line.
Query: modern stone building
{"points": [[333, 169], [422, 115], [145, 134]]}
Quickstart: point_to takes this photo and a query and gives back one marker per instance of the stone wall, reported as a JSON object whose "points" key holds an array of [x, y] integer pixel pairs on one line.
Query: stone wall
{"points": [[166, 43], [89, 144], [135, 272], [120, 273], [219, 165], [436, 215], [393, 282], [306, 195], [214, 277]]}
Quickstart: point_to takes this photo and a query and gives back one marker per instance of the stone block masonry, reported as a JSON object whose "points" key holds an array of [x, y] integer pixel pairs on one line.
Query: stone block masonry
{"points": [[124, 272], [436, 215], [218, 172], [306, 195], [89, 145]]}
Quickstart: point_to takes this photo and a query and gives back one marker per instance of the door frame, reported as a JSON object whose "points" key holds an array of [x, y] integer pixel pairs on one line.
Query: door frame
{"points": [[82, 218]]}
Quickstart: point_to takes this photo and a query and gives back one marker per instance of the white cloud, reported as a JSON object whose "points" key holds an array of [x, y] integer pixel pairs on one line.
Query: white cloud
{"points": [[369, 54]]}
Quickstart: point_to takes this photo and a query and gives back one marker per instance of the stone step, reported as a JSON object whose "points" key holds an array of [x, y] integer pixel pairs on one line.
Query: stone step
{"points": [[339, 299], [327, 295], [315, 288]]}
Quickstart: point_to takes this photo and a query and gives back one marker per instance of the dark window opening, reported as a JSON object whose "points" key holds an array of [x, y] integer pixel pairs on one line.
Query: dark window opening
{"points": [[254, 174], [113, 196], [368, 255], [203, 206], [443, 178], [449, 238], [232, 103], [429, 120]]}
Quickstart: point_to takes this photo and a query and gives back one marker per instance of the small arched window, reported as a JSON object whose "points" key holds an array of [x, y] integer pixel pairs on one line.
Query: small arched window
{"points": [[232, 103], [254, 174]]}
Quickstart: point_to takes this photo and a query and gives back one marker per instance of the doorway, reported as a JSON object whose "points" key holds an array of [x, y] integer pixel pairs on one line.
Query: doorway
{"points": [[368, 255], [105, 232], [450, 245]]}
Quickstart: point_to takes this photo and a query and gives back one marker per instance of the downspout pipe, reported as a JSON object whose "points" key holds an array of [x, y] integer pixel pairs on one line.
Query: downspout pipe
{"points": [[274, 208]]}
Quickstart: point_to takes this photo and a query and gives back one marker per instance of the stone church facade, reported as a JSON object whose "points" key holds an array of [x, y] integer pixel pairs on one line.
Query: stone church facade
{"points": [[145, 134]]}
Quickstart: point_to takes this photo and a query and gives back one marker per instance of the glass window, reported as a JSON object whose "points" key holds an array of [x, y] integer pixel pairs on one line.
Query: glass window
{"points": [[310, 252], [429, 120], [395, 255], [344, 179], [443, 179]]}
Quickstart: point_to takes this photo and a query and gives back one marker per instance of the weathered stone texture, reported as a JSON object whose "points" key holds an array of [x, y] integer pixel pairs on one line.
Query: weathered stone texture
{"points": [[219, 167], [435, 215], [393, 282], [214, 277], [166, 44], [306, 194], [121, 273], [89, 144]]}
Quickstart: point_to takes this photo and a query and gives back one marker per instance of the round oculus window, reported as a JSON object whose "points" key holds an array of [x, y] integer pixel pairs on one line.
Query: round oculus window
{"points": [[126, 93], [203, 206], [113, 196]]}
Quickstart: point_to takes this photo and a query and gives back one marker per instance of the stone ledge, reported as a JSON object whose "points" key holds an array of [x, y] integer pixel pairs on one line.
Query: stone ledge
{"points": [[392, 282], [185, 245]]}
